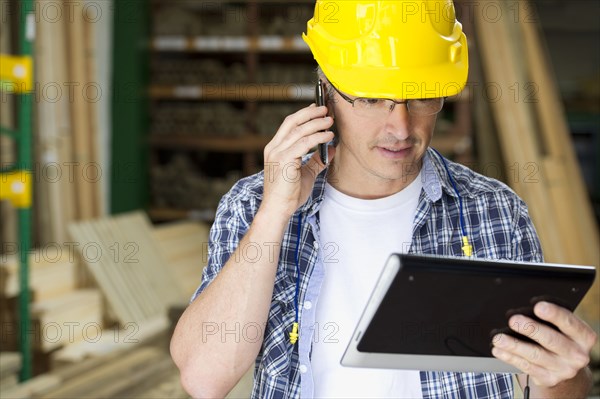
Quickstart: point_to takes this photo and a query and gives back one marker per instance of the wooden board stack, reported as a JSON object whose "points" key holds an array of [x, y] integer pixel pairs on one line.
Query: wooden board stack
{"points": [[134, 361], [72, 182], [62, 313], [70, 318], [56, 195], [52, 273], [536, 146], [122, 255], [107, 376]]}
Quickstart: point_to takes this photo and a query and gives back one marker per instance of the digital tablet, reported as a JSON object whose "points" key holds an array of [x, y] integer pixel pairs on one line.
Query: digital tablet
{"points": [[440, 313]]}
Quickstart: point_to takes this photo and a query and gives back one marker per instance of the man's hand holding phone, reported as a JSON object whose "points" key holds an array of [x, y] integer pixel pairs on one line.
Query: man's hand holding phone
{"points": [[288, 183]]}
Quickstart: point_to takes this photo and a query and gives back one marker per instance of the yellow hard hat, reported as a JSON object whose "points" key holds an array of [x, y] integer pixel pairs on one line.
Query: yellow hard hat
{"points": [[390, 49]]}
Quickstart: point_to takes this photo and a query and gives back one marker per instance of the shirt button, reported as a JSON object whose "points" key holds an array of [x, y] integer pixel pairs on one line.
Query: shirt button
{"points": [[303, 368], [307, 305], [316, 245]]}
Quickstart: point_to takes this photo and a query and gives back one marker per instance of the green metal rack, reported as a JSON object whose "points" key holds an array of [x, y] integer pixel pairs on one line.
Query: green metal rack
{"points": [[16, 77]]}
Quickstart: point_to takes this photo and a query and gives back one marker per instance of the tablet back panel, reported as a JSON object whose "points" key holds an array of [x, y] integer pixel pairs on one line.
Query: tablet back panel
{"points": [[453, 306]]}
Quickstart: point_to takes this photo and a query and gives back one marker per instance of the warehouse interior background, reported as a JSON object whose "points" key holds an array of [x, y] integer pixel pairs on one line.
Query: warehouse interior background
{"points": [[144, 113]]}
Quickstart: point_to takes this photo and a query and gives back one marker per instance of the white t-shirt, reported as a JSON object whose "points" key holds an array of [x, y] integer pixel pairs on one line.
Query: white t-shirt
{"points": [[357, 237]]}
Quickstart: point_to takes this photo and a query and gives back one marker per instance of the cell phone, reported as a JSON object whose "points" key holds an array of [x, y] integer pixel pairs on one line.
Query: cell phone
{"points": [[320, 101]]}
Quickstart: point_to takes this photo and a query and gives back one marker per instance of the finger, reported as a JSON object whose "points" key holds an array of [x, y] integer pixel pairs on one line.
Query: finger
{"points": [[546, 336], [533, 353], [283, 141], [571, 354], [298, 118], [311, 127], [571, 325], [538, 374], [303, 145]]}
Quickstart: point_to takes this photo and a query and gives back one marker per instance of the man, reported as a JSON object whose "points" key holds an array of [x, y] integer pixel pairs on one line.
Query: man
{"points": [[295, 250]]}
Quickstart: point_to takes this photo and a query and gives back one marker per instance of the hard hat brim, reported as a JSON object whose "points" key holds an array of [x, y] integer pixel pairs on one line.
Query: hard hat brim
{"points": [[378, 83]]}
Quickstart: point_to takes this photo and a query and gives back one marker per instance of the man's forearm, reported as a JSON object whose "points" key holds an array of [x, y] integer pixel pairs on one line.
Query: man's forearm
{"points": [[221, 332]]}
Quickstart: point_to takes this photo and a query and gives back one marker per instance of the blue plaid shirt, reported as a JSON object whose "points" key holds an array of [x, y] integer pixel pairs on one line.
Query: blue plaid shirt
{"points": [[498, 226]]}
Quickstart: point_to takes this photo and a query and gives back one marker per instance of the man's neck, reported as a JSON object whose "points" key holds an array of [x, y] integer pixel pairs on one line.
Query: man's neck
{"points": [[365, 186]]}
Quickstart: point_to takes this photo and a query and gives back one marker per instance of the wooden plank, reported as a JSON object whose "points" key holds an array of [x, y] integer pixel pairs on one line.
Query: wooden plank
{"points": [[166, 386], [65, 320], [92, 96], [113, 342], [527, 78], [138, 279], [52, 273], [101, 25], [79, 114], [118, 294], [33, 388], [149, 255], [64, 126], [52, 213], [145, 373], [101, 269]]}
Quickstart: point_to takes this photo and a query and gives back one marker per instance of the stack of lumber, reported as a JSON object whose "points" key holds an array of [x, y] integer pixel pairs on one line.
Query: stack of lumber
{"points": [[535, 142], [110, 340], [10, 365], [70, 318], [133, 361], [123, 258], [144, 372], [100, 377], [72, 125], [53, 272], [61, 312], [140, 272]]}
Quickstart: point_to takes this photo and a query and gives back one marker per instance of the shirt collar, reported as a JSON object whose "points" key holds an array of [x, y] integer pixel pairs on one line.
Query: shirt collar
{"points": [[435, 179]]}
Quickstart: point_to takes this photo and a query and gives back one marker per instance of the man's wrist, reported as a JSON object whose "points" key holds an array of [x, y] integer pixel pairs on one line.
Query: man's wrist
{"points": [[272, 219], [577, 387]]}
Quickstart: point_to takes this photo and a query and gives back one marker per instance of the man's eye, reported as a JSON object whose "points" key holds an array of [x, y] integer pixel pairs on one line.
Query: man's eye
{"points": [[371, 101], [426, 101]]}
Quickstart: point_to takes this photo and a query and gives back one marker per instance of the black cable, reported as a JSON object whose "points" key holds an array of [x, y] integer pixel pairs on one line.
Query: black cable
{"points": [[526, 390]]}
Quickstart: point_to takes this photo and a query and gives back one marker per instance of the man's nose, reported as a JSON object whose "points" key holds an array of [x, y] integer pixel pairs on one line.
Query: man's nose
{"points": [[398, 121]]}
